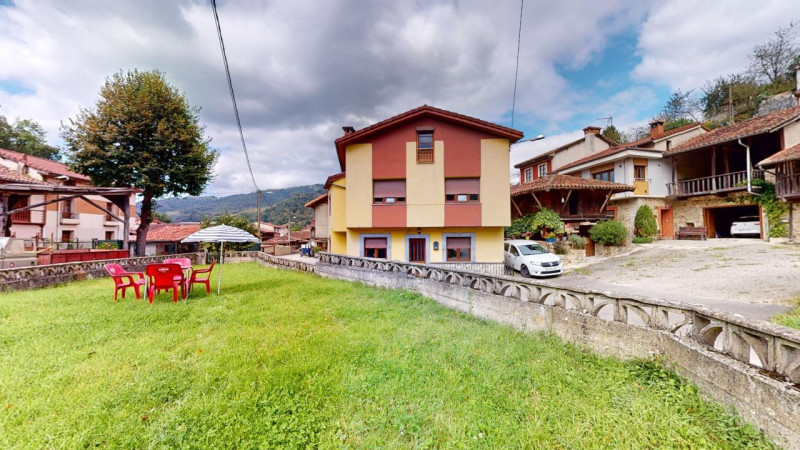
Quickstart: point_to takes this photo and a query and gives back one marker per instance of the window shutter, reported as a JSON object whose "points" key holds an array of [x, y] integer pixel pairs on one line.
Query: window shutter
{"points": [[375, 243], [389, 188], [458, 242], [454, 186]]}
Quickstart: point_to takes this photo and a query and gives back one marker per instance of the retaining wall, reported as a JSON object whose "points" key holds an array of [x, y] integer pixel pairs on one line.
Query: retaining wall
{"points": [[51, 274], [752, 365]]}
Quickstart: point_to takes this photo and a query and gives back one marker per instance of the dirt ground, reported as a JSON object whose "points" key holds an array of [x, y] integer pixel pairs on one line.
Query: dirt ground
{"points": [[745, 276]]}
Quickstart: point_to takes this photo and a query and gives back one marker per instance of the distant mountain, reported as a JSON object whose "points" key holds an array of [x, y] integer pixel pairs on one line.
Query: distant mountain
{"points": [[277, 205]]}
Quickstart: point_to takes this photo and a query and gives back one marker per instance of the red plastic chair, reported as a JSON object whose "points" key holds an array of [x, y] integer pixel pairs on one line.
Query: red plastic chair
{"points": [[124, 280], [206, 280], [162, 277]]}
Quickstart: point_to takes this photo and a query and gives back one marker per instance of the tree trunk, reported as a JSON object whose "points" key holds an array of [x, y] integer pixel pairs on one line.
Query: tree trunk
{"points": [[145, 217]]}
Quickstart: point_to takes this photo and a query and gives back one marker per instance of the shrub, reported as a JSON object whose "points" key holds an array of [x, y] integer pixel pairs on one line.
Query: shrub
{"points": [[560, 248], [578, 242], [547, 218], [609, 232], [519, 226], [645, 222], [642, 240], [108, 246]]}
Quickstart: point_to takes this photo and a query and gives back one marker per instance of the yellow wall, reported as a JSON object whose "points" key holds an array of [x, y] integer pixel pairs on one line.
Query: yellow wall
{"points": [[337, 196], [425, 188], [488, 242], [495, 182], [338, 243], [359, 186]]}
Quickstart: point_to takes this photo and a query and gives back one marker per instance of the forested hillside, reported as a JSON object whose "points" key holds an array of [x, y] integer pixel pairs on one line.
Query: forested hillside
{"points": [[277, 205]]}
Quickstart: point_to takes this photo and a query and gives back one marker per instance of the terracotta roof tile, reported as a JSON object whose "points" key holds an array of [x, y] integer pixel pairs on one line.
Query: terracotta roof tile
{"points": [[630, 145], [42, 164], [13, 176], [317, 201], [302, 235], [510, 133], [171, 232], [789, 154], [749, 127], [556, 181]]}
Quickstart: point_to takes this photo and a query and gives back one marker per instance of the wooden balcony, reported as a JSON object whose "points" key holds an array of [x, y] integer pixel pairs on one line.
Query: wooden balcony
{"points": [[28, 217], [727, 182], [788, 186]]}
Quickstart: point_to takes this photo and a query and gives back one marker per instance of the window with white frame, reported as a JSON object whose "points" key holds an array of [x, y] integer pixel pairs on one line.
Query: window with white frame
{"points": [[529, 174], [542, 170]]}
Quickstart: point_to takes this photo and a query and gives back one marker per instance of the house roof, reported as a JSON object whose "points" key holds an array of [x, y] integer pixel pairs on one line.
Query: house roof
{"points": [[171, 232], [318, 201], [45, 165], [750, 127], [557, 181], [333, 178], [635, 145], [471, 122], [13, 176], [302, 235], [549, 153], [788, 154]]}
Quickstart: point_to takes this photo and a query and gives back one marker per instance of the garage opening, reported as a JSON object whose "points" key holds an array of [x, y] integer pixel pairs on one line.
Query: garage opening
{"points": [[718, 221]]}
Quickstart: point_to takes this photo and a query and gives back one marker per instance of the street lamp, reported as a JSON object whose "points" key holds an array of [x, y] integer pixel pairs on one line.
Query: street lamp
{"points": [[537, 138]]}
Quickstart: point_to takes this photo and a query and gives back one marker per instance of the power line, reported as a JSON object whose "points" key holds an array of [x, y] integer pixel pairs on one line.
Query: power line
{"points": [[516, 70], [233, 96]]}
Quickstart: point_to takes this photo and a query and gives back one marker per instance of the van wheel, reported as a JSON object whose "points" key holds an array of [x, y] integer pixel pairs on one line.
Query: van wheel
{"points": [[524, 271]]}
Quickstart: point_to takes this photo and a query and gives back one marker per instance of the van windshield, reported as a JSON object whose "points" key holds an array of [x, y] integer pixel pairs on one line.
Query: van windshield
{"points": [[532, 249]]}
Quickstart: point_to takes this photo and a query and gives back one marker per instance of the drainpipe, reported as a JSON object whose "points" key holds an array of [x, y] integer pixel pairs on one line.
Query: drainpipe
{"points": [[764, 220]]}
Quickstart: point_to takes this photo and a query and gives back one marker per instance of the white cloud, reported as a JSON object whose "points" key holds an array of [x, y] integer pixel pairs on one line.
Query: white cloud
{"points": [[683, 43], [302, 69]]}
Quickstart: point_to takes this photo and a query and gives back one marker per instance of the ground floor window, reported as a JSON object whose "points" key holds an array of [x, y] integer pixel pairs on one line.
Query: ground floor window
{"points": [[66, 236], [375, 247], [109, 235], [459, 249]]}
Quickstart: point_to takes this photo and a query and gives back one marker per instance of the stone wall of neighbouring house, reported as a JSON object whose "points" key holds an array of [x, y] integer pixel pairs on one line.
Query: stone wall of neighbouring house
{"points": [[626, 210], [794, 217], [690, 210]]}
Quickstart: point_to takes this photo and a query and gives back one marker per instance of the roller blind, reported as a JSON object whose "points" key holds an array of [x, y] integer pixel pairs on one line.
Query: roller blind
{"points": [[454, 186], [458, 242], [389, 188], [374, 242]]}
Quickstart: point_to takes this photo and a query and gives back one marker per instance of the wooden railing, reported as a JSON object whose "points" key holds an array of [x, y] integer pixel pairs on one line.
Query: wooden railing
{"points": [[21, 217], [727, 182], [787, 185]]}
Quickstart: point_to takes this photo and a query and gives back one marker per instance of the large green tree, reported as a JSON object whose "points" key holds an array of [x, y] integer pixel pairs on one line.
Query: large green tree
{"points": [[141, 132], [26, 136]]}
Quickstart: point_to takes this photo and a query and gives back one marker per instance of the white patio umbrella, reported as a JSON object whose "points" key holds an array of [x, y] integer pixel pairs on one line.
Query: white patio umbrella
{"points": [[221, 234]]}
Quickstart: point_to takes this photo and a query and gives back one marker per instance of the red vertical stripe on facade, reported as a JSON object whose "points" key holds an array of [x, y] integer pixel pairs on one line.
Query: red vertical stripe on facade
{"points": [[462, 214], [389, 216]]}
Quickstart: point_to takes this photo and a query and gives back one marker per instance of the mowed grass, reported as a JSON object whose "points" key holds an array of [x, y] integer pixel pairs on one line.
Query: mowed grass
{"points": [[790, 318], [286, 359]]}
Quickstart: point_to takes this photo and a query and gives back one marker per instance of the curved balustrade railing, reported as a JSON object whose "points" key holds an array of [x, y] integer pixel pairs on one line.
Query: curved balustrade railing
{"points": [[50, 274], [757, 343], [272, 260]]}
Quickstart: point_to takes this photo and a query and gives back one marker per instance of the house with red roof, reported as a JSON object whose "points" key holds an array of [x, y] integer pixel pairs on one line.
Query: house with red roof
{"points": [[710, 173], [319, 225], [427, 186], [71, 219], [165, 238], [639, 164]]}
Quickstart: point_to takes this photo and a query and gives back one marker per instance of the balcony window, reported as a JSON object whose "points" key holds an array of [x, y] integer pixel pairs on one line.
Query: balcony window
{"points": [[459, 249], [425, 147], [375, 247], [110, 207], [640, 172], [388, 192], [462, 190]]}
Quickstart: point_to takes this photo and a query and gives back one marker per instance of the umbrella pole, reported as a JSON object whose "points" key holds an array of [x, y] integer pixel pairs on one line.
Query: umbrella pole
{"points": [[221, 261]]}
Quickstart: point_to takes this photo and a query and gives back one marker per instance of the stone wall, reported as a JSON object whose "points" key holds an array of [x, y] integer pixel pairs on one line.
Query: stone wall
{"points": [[487, 268], [794, 218], [52, 274], [690, 210], [751, 365], [627, 207]]}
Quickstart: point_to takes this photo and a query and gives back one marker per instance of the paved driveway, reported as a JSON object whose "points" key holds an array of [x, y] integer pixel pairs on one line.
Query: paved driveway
{"points": [[745, 276]]}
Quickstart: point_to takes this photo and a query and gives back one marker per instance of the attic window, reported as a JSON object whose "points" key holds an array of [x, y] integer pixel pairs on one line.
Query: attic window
{"points": [[424, 146]]}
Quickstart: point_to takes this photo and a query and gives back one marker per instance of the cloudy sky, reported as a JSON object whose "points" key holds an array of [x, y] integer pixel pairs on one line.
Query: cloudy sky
{"points": [[304, 68]]}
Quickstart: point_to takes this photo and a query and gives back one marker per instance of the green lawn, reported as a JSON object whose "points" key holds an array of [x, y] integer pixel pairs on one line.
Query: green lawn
{"points": [[790, 318], [290, 359]]}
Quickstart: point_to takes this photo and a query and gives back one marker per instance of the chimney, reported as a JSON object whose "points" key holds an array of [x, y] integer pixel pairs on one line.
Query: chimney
{"points": [[656, 128], [348, 129], [591, 130]]}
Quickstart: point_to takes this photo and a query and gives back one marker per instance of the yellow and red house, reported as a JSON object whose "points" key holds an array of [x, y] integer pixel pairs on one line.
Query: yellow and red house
{"points": [[428, 186]]}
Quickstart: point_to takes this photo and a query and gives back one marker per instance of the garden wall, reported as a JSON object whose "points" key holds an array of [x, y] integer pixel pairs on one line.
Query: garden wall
{"points": [[751, 365], [52, 274]]}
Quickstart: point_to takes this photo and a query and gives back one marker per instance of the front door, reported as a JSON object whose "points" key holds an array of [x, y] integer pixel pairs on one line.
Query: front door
{"points": [[667, 228], [416, 250]]}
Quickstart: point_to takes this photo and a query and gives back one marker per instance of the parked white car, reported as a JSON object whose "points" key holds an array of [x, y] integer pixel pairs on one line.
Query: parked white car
{"points": [[746, 226], [531, 259]]}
